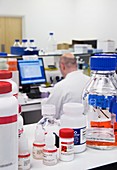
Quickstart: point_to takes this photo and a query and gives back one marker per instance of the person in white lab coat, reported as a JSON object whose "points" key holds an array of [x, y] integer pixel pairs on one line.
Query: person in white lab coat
{"points": [[71, 87]]}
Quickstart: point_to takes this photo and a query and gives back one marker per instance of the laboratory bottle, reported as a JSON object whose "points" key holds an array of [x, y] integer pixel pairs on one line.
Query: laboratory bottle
{"points": [[51, 44], [12, 64], [6, 75], [66, 144], [97, 96], [23, 153], [73, 117], [50, 150], [20, 123], [8, 128], [24, 43], [38, 143], [32, 44], [48, 122], [16, 43]]}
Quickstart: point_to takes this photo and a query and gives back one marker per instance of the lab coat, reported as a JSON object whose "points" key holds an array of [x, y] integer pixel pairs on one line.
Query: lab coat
{"points": [[68, 90]]}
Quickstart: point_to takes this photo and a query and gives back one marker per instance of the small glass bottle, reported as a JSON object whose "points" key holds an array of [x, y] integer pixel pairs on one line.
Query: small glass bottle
{"points": [[23, 153], [20, 123], [50, 150], [38, 143], [97, 97], [32, 44], [24, 43], [48, 122], [16, 43]]}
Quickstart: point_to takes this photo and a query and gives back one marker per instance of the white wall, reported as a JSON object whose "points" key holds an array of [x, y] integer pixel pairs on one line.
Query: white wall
{"points": [[69, 19]]}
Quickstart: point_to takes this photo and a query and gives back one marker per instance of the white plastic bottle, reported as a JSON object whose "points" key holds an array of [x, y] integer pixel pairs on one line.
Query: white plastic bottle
{"points": [[8, 128], [66, 144], [74, 118], [38, 143], [20, 123], [50, 150], [23, 153], [6, 75]]}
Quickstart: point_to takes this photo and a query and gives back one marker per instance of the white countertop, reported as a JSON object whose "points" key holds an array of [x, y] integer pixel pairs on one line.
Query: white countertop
{"points": [[91, 158]]}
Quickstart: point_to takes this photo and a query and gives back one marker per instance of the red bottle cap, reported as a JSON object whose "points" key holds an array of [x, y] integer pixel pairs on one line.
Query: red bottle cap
{"points": [[66, 133], [5, 87], [5, 74]]}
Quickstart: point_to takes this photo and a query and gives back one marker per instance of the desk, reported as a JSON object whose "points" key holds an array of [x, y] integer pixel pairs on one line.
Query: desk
{"points": [[89, 159]]}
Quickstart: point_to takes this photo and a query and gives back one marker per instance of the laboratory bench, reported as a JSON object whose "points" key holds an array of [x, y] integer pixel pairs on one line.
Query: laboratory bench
{"points": [[31, 108], [90, 159]]}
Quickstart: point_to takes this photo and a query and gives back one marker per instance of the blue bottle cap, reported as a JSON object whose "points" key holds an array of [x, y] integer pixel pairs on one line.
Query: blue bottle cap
{"points": [[24, 40], [16, 40], [31, 40], [103, 63], [51, 33]]}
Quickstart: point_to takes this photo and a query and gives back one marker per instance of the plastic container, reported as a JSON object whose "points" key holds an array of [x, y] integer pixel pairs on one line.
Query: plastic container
{"points": [[51, 44], [23, 153], [20, 123], [16, 43], [8, 128], [97, 97], [6, 75], [12, 64], [3, 64], [50, 150], [66, 144], [38, 143], [48, 122], [74, 118]]}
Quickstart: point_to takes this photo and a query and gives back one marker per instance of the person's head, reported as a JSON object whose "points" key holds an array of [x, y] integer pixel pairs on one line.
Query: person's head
{"points": [[67, 64]]}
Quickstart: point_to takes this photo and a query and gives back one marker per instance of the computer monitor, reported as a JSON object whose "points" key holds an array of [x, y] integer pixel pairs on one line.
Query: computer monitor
{"points": [[31, 74]]}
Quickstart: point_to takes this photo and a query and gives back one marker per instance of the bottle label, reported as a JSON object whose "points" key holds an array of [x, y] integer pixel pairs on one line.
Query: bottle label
{"points": [[100, 101], [50, 157], [67, 148], [38, 151], [80, 136], [24, 161]]}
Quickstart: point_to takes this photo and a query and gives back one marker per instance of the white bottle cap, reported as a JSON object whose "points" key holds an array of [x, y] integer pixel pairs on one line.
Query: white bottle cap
{"points": [[39, 134], [48, 109], [23, 144], [49, 139], [73, 108]]}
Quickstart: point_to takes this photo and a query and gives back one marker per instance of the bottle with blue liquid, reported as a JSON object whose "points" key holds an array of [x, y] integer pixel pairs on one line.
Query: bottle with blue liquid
{"points": [[97, 98]]}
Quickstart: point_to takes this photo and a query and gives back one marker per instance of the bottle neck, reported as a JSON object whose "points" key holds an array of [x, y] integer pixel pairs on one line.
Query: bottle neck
{"points": [[102, 73]]}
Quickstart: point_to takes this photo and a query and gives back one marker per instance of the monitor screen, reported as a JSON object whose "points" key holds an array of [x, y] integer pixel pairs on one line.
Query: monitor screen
{"points": [[31, 72]]}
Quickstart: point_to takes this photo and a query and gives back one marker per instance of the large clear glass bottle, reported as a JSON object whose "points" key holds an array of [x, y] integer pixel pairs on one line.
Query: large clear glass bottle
{"points": [[51, 44], [96, 98]]}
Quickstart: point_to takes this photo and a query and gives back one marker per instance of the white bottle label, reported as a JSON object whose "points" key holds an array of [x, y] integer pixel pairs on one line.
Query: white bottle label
{"points": [[67, 148], [50, 157], [79, 136], [38, 151], [24, 162]]}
